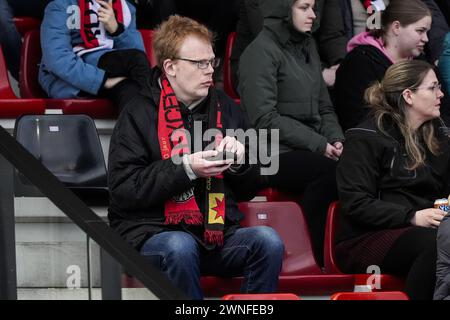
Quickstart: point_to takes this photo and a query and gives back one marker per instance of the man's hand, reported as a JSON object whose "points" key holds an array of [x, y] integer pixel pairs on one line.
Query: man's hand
{"points": [[106, 16], [339, 147], [205, 168], [232, 145], [331, 151]]}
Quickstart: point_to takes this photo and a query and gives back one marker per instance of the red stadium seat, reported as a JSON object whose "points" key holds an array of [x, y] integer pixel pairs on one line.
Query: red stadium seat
{"points": [[25, 24], [300, 273], [386, 281], [227, 84], [147, 37], [10, 105], [261, 296], [382, 295], [30, 88]]}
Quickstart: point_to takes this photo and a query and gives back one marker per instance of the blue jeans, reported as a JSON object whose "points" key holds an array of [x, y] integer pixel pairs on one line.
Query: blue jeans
{"points": [[10, 39], [254, 252]]}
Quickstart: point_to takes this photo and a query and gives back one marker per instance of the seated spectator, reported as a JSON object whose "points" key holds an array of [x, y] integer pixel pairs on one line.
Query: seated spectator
{"points": [[183, 216], [10, 39], [403, 35], [89, 47], [282, 88], [357, 18], [328, 31], [394, 166]]}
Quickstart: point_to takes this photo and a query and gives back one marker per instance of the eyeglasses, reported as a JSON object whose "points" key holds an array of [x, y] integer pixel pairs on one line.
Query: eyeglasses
{"points": [[203, 64], [435, 88]]}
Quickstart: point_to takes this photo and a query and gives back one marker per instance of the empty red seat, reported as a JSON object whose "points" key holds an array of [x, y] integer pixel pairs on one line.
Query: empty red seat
{"points": [[272, 194], [10, 105], [227, 83], [386, 281], [261, 296], [147, 37], [382, 295]]}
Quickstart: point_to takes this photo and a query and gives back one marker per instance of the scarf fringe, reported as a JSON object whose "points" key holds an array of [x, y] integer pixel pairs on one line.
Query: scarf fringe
{"points": [[189, 217], [214, 237]]}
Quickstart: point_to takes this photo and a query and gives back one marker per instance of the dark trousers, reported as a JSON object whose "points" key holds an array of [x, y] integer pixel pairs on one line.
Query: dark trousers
{"points": [[133, 65], [314, 177], [413, 256]]}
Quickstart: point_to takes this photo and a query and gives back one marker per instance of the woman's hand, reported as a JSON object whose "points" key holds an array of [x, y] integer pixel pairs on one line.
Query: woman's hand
{"points": [[106, 16], [332, 152], [429, 218]]}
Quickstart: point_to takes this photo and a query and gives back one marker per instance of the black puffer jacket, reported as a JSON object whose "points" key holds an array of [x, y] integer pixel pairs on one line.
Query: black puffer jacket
{"points": [[376, 192], [140, 181]]}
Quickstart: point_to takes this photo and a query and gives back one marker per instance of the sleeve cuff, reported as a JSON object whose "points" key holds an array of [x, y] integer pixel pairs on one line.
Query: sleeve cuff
{"points": [[187, 168], [120, 29]]}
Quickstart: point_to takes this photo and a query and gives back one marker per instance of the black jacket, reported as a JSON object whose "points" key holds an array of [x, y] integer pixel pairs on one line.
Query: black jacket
{"points": [[376, 191], [361, 67], [140, 181]]}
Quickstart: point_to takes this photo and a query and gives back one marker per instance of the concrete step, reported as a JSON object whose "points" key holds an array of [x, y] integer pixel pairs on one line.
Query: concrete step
{"points": [[80, 294]]}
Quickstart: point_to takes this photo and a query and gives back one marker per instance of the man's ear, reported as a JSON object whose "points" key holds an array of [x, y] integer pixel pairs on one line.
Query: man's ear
{"points": [[169, 67], [408, 96]]}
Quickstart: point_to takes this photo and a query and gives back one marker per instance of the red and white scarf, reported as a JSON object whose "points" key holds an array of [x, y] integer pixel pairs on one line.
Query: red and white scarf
{"points": [[92, 31], [184, 207]]}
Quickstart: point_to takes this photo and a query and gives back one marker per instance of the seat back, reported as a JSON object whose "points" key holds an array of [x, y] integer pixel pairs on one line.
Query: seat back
{"points": [[6, 91], [25, 24], [381, 295], [261, 296], [227, 83], [288, 220], [29, 69], [67, 145], [332, 225], [147, 37]]}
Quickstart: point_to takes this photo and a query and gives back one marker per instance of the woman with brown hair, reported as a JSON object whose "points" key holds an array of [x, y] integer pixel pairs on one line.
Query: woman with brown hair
{"points": [[395, 164], [402, 36]]}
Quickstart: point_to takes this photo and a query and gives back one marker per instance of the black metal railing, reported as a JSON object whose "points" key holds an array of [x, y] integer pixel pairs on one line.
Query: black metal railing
{"points": [[13, 155]]}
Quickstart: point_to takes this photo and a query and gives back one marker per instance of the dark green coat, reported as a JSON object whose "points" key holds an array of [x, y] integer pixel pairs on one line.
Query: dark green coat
{"points": [[281, 84]]}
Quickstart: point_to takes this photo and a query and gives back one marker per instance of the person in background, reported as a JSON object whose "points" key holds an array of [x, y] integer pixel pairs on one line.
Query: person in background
{"points": [[328, 31], [403, 36], [182, 215], [89, 48], [394, 166], [282, 88]]}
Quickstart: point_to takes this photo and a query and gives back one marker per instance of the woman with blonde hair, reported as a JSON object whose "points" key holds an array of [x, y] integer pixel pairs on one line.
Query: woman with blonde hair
{"points": [[394, 166]]}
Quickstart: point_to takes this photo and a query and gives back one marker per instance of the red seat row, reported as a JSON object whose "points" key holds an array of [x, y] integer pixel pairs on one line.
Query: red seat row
{"points": [[300, 273]]}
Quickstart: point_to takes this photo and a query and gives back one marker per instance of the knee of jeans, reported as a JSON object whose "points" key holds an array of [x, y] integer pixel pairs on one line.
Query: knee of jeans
{"points": [[181, 247], [270, 240]]}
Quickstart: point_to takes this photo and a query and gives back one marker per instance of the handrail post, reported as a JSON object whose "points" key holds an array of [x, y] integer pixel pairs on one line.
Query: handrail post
{"points": [[8, 274], [110, 271]]}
